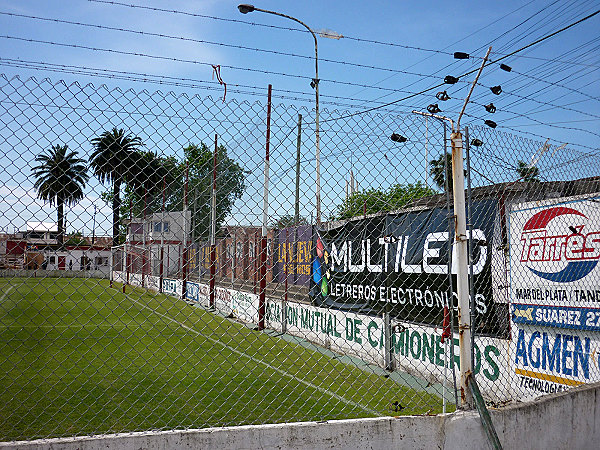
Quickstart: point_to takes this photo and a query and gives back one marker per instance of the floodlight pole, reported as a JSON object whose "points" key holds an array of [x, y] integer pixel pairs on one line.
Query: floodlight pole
{"points": [[245, 9]]}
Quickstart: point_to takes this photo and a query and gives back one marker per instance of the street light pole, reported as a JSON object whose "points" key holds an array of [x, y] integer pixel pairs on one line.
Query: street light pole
{"points": [[245, 9]]}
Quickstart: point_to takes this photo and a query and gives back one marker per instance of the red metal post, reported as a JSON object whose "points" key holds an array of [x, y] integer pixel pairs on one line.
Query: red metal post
{"points": [[213, 230], [162, 238], [144, 267], [263, 242], [184, 255]]}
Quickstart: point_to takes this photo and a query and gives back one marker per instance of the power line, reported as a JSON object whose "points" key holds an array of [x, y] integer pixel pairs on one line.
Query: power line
{"points": [[278, 27], [516, 114], [555, 123], [170, 80], [188, 61], [540, 102], [201, 41], [537, 41]]}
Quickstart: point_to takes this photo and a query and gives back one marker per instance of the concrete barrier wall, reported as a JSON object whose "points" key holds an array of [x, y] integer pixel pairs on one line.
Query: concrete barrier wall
{"points": [[564, 420]]}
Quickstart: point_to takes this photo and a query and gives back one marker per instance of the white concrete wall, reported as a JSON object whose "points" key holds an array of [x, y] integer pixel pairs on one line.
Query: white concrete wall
{"points": [[568, 420]]}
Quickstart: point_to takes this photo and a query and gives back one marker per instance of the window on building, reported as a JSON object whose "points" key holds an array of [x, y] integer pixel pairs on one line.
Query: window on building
{"points": [[161, 227], [53, 260], [137, 228], [101, 261]]}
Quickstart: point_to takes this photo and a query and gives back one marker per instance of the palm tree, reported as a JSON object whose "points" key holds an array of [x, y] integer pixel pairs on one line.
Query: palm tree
{"points": [[528, 172], [436, 170], [60, 179], [146, 175], [111, 161], [440, 171]]}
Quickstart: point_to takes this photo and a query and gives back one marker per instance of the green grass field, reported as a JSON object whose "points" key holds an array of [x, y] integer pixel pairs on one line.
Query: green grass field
{"points": [[78, 357]]}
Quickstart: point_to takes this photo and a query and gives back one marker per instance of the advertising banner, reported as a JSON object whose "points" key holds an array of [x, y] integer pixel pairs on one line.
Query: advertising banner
{"points": [[294, 257], [554, 273], [549, 360], [401, 262], [555, 294]]}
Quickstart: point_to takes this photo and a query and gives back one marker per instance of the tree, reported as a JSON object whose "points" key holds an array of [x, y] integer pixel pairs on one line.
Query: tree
{"points": [[76, 240], [372, 201], [441, 171], [230, 186], [288, 220], [111, 162], [145, 179], [527, 172], [198, 161], [60, 180], [436, 170]]}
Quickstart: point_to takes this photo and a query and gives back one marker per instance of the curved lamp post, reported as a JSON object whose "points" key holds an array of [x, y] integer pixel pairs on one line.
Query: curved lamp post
{"points": [[245, 9]]}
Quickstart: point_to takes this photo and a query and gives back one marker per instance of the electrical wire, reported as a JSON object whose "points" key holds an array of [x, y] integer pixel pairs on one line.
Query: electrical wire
{"points": [[201, 41], [188, 61], [301, 30]]}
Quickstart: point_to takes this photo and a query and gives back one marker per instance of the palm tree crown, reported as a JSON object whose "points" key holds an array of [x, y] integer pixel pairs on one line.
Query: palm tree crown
{"points": [[60, 179], [528, 172], [112, 154], [111, 161]]}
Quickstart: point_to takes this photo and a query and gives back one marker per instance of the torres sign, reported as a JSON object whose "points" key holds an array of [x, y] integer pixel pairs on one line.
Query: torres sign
{"points": [[555, 293]]}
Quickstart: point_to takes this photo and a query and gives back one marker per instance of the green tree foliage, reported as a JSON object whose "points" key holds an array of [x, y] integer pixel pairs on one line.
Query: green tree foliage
{"points": [[288, 220], [377, 201], [440, 171], [159, 176], [527, 172], [115, 154], [60, 179], [230, 186], [76, 239]]}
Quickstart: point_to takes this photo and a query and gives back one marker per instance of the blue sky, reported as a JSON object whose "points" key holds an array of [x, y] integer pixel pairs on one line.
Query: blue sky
{"points": [[562, 94]]}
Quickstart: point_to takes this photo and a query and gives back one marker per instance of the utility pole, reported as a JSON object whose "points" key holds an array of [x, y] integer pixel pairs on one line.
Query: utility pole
{"points": [[461, 245]]}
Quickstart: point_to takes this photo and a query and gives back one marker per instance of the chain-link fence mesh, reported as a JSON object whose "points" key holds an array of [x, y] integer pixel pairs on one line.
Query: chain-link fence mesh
{"points": [[160, 272]]}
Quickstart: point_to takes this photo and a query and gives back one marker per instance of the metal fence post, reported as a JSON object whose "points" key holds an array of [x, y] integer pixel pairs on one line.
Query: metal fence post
{"points": [[213, 229], [462, 285], [263, 241]]}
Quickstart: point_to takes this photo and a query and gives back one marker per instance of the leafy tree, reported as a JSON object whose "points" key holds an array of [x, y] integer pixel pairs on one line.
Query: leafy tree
{"points": [[374, 201], [60, 180], [76, 239], [146, 178], [198, 162], [288, 220], [528, 172], [230, 186], [440, 171], [112, 159]]}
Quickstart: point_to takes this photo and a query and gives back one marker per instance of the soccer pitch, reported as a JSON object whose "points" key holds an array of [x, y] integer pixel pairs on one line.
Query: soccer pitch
{"points": [[79, 357]]}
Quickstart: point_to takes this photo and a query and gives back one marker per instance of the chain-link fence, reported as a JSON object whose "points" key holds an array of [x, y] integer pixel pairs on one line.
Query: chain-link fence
{"points": [[166, 263]]}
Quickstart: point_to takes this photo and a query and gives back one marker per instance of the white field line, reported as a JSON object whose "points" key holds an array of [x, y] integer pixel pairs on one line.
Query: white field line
{"points": [[276, 369], [6, 293]]}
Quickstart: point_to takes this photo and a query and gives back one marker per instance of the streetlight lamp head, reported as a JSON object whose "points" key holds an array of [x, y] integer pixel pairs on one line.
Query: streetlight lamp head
{"points": [[245, 9]]}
